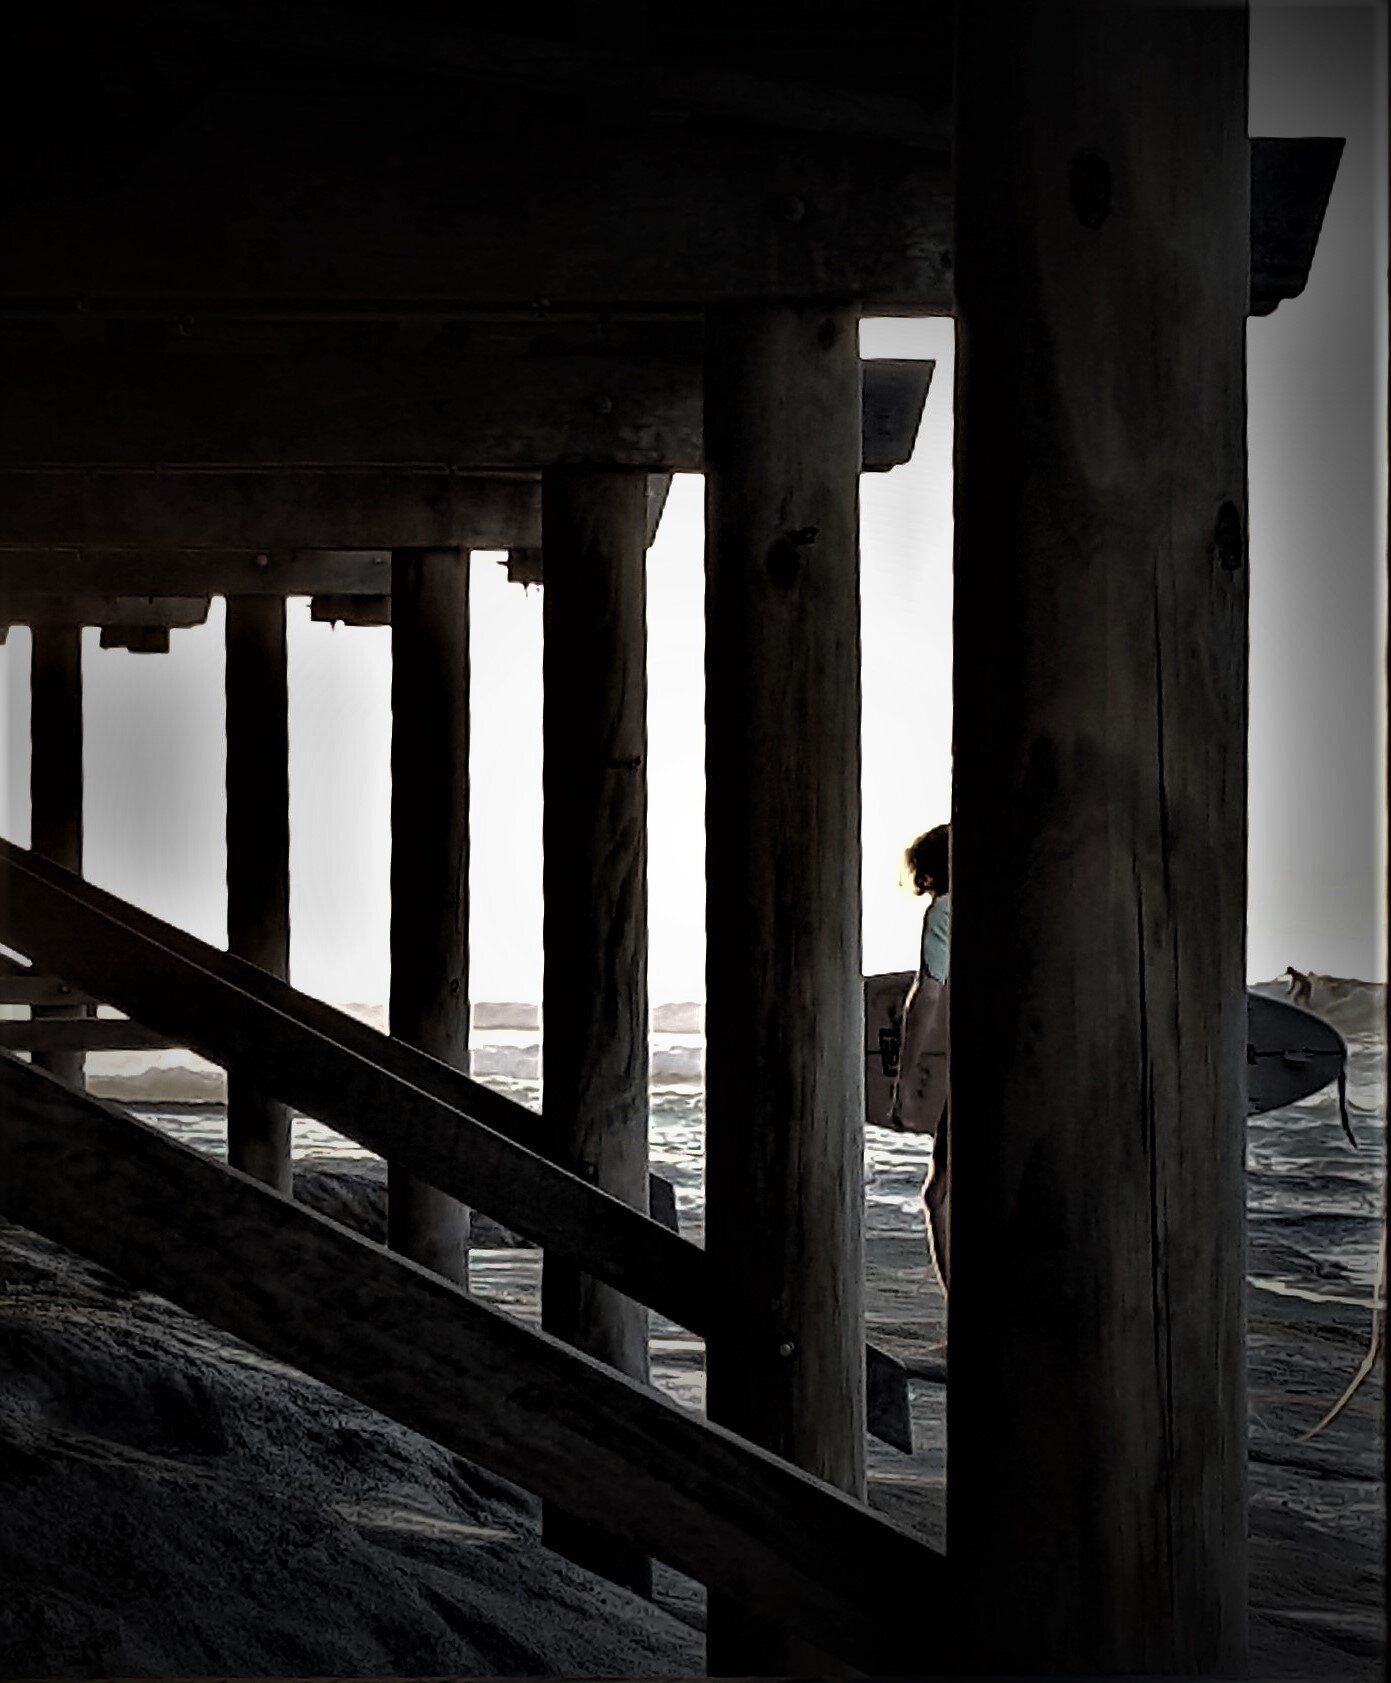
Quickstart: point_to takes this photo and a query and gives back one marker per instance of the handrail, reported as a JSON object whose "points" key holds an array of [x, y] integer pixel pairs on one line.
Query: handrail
{"points": [[513, 1399], [434, 1121]]}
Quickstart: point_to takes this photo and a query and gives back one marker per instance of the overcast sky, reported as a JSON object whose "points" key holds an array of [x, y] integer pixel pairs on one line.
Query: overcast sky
{"points": [[154, 752]]}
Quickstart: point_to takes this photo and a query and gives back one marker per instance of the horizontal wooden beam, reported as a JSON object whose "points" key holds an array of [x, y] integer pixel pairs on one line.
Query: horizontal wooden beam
{"points": [[169, 409], [545, 213], [183, 572], [81, 608], [78, 1034], [243, 511], [21, 987], [451, 1131], [312, 1294]]}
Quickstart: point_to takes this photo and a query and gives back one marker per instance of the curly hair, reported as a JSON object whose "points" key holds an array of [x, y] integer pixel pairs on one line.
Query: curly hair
{"points": [[928, 861]]}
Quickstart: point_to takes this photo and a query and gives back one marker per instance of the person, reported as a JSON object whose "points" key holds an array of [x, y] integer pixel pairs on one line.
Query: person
{"points": [[921, 1095]]}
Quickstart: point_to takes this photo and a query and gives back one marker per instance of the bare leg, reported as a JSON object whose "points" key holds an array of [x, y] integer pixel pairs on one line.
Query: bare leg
{"points": [[937, 1203]]}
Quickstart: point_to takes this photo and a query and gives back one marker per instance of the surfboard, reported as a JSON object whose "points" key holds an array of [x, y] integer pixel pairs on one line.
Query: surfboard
{"points": [[1290, 1052]]}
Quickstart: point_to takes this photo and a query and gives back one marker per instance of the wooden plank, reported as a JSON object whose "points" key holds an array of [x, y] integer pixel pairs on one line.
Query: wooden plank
{"points": [[51, 1037], [55, 788], [547, 215], [141, 410], [514, 1400], [182, 573], [1099, 843], [429, 1005], [258, 855], [232, 1010], [1291, 182], [136, 639], [19, 987], [74, 611], [594, 1009], [784, 1066], [304, 510], [437, 50]]}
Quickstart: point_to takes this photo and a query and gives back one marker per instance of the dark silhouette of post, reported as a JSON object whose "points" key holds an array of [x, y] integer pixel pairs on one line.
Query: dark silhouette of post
{"points": [[430, 863], [594, 998], [1096, 1404], [785, 1014], [258, 855], [55, 787]]}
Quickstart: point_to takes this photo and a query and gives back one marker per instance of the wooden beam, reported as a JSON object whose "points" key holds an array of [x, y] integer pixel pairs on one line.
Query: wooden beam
{"points": [[136, 639], [305, 510], [546, 216], [308, 1292], [55, 787], [196, 573], [142, 410], [1096, 1400], [51, 1037], [258, 856], [430, 867], [20, 987], [785, 1011], [1291, 182], [386, 1095], [63, 611], [536, 64], [594, 1011]]}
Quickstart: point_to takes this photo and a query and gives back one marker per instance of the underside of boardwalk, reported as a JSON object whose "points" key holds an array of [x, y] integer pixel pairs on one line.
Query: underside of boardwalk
{"points": [[317, 301]]}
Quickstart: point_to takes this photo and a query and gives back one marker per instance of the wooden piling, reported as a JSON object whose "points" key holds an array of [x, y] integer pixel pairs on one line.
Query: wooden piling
{"points": [[784, 1013], [1096, 1407], [430, 864], [258, 854], [594, 996], [55, 786]]}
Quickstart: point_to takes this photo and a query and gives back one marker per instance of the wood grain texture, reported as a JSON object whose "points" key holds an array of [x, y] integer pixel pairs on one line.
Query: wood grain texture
{"points": [[55, 786], [183, 573], [403, 1341], [1096, 1407], [594, 1011], [429, 1005], [365, 1083], [50, 1036], [258, 855], [784, 1018], [59, 609]]}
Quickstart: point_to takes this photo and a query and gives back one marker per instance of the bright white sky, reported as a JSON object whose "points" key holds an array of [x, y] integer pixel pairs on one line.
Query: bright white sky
{"points": [[155, 753]]}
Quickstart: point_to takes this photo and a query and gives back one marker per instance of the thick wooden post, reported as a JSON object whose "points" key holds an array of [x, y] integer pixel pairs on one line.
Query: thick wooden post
{"points": [[430, 863], [784, 1013], [258, 854], [594, 998], [1096, 1410], [55, 785]]}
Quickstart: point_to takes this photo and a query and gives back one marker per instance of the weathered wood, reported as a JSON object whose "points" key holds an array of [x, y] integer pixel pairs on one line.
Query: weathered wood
{"points": [[136, 639], [1096, 1407], [398, 1338], [784, 1014], [258, 855], [183, 573], [139, 410], [566, 218], [594, 1010], [1291, 182], [429, 866], [305, 510], [21, 987], [73, 611], [386, 1095], [55, 785], [51, 1037]]}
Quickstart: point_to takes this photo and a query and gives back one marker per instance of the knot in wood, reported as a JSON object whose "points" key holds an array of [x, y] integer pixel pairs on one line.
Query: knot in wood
{"points": [[785, 555], [1228, 544]]}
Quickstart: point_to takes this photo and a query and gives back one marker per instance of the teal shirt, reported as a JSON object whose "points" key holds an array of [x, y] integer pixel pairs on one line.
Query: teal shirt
{"points": [[936, 949]]}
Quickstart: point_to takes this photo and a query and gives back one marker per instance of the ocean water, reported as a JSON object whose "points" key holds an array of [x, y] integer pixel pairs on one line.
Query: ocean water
{"points": [[1315, 1204]]}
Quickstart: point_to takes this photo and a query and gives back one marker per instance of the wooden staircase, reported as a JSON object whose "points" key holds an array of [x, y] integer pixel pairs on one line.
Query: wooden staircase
{"points": [[308, 1292]]}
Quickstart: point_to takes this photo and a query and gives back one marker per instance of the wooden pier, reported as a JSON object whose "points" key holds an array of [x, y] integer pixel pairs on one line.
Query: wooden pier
{"points": [[351, 320]]}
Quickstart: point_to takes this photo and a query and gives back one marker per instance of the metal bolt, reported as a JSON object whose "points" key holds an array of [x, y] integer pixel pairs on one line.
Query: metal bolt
{"points": [[786, 1348], [790, 208], [603, 404], [263, 560]]}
